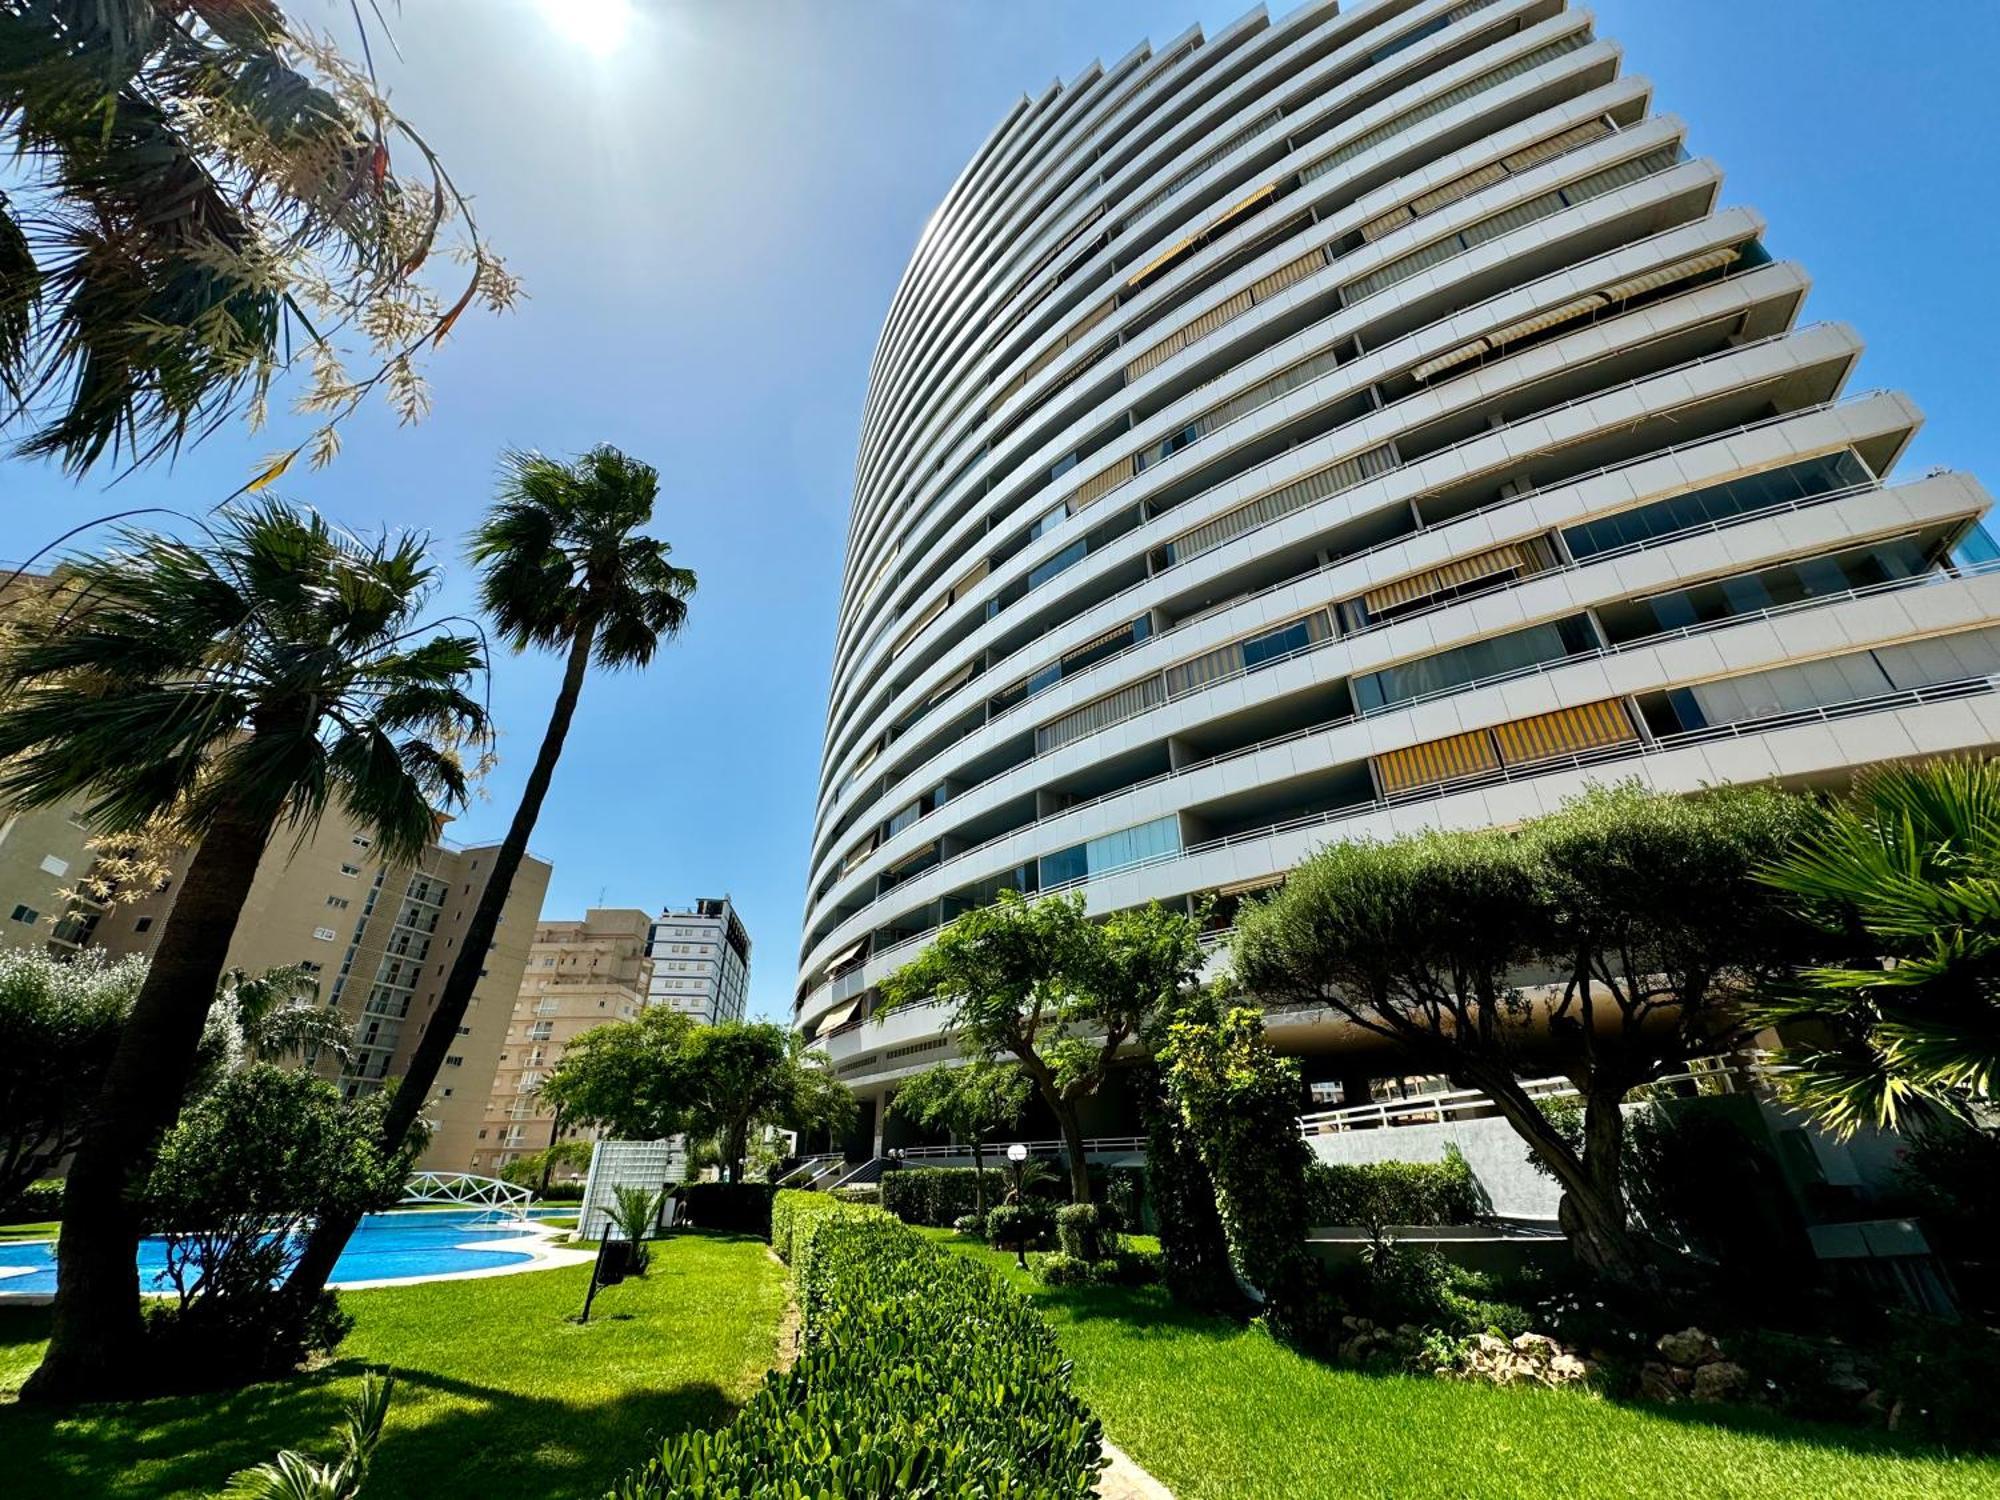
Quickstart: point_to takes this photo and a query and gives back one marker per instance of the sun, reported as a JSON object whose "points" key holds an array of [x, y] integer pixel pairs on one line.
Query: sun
{"points": [[597, 26]]}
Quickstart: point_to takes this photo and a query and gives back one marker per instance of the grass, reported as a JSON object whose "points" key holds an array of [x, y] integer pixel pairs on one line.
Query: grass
{"points": [[498, 1392], [1220, 1412], [43, 1231]]}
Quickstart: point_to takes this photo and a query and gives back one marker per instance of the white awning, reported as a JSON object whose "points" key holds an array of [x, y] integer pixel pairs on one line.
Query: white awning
{"points": [[1685, 270]]}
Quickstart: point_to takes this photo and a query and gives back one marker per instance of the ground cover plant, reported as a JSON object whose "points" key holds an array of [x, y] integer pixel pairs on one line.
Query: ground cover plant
{"points": [[498, 1390]]}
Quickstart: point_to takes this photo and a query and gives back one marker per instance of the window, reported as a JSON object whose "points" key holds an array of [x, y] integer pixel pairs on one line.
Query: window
{"points": [[454, 1061], [350, 871], [26, 914], [1501, 654], [53, 866], [324, 934], [338, 903], [145, 924], [363, 841]]}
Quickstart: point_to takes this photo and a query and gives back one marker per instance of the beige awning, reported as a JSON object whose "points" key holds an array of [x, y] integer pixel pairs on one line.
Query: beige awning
{"points": [[846, 955], [1569, 312], [1461, 355], [1685, 270], [1512, 557], [839, 1016]]}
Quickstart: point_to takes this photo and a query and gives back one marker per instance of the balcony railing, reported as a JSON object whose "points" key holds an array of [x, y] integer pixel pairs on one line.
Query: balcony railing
{"points": [[1737, 1073]]}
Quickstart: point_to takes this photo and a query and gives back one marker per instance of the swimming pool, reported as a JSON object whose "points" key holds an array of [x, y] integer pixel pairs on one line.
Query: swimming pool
{"points": [[387, 1247]]}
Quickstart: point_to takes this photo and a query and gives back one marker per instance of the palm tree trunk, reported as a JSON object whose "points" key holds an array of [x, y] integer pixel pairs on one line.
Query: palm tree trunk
{"points": [[549, 1156], [332, 1230], [94, 1344]]}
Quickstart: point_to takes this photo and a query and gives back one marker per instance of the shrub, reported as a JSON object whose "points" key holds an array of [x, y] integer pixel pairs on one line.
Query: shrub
{"points": [[1029, 1223], [862, 1192], [934, 1196], [37, 1201], [230, 1191], [1377, 1194], [906, 1351], [735, 1207], [1060, 1268], [1077, 1230], [793, 1214], [1240, 1101], [970, 1225], [634, 1210], [1193, 1249], [562, 1192], [1123, 1201]]}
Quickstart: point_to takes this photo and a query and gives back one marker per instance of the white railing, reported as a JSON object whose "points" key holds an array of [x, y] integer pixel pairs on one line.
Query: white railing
{"points": [[929, 762], [1738, 1073], [811, 1169], [466, 1188], [997, 1150]]}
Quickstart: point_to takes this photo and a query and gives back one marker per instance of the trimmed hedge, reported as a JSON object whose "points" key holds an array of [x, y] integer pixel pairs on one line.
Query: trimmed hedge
{"points": [[737, 1207], [1423, 1194], [934, 1196], [921, 1373], [38, 1201]]}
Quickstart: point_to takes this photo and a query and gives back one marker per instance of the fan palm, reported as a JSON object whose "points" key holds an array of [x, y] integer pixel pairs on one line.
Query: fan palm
{"points": [[298, 1476], [278, 1014], [564, 569], [236, 686], [1904, 875]]}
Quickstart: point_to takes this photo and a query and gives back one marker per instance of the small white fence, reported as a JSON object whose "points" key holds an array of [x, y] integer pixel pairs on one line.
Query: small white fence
{"points": [[466, 1189]]}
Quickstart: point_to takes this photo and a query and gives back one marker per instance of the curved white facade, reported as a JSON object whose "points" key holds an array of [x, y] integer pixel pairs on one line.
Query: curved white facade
{"points": [[1333, 426]]}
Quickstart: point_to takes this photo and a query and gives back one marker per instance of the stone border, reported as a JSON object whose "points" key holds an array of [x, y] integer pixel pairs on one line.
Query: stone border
{"points": [[537, 1242]]}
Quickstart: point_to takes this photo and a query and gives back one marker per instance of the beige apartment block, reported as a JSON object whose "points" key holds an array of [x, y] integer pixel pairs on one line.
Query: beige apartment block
{"points": [[381, 937], [579, 975], [42, 851]]}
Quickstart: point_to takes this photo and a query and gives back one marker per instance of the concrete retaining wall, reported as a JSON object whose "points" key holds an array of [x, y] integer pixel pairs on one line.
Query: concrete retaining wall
{"points": [[1498, 1158]]}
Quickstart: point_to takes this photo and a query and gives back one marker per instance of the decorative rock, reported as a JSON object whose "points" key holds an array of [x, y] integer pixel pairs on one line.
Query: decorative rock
{"points": [[1689, 1347], [1656, 1383], [1567, 1369], [1720, 1380], [1537, 1346]]}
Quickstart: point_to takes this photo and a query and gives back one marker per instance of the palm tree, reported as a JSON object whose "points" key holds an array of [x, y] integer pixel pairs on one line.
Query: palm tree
{"points": [[1903, 876], [278, 1014], [234, 686], [564, 569]]}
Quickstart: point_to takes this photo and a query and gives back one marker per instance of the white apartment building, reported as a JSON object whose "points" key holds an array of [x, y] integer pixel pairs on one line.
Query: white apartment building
{"points": [[1336, 426], [701, 961]]}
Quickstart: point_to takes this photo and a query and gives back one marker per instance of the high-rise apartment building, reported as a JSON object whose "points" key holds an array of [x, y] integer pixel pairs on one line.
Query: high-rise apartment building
{"points": [[701, 961], [381, 937], [578, 975], [1336, 426]]}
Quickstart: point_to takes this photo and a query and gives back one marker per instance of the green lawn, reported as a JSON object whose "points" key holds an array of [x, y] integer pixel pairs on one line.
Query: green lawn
{"points": [[43, 1231], [1220, 1412], [497, 1392]]}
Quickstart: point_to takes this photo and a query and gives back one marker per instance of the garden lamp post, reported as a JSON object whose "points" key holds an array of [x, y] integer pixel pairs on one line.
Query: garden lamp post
{"points": [[1017, 1160]]}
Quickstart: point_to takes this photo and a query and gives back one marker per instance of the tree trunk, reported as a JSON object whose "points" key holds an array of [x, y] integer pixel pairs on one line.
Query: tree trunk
{"points": [[94, 1342], [1592, 1217], [332, 1230], [549, 1156], [979, 1179], [1072, 1134]]}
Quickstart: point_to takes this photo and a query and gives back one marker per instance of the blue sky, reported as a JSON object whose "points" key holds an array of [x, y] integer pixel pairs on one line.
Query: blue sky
{"points": [[711, 216]]}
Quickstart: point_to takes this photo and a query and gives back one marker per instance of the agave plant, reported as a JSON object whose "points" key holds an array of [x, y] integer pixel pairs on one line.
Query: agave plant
{"points": [[294, 1476], [1903, 876]]}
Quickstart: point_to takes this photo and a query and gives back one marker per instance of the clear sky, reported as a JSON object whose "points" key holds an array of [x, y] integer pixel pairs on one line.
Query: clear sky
{"points": [[710, 212]]}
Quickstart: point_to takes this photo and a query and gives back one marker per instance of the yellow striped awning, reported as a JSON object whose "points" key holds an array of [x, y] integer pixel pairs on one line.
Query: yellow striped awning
{"points": [[1289, 274], [1685, 270], [1103, 483], [1450, 361], [1569, 312], [845, 956], [1565, 732], [1515, 556], [1238, 209], [1439, 760]]}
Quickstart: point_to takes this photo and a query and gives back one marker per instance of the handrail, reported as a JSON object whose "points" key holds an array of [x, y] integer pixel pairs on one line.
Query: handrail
{"points": [[1732, 1073], [1682, 632], [1706, 528], [1000, 1148], [1909, 697], [1369, 551]]}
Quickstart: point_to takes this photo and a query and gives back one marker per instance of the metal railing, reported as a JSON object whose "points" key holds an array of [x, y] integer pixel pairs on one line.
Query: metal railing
{"points": [[1721, 437], [1912, 697], [1096, 1145], [1737, 1073], [466, 1188], [1702, 627]]}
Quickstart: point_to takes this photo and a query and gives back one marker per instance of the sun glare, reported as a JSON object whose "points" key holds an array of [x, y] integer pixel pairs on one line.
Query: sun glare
{"points": [[597, 26]]}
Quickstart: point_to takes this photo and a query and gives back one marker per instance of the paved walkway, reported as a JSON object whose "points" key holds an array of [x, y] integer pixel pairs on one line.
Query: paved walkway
{"points": [[1125, 1480]]}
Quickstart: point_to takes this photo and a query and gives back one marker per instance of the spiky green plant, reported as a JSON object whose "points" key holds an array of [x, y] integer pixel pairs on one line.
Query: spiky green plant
{"points": [[295, 1476], [1903, 875], [633, 1210]]}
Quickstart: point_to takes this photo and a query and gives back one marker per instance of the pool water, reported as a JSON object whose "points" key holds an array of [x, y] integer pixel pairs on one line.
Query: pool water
{"points": [[386, 1247]]}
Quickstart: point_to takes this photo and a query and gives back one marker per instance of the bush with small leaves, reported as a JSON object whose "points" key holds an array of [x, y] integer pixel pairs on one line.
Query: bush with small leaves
{"points": [[934, 1196], [970, 1225], [1059, 1268], [921, 1372], [734, 1207], [1077, 1230]]}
